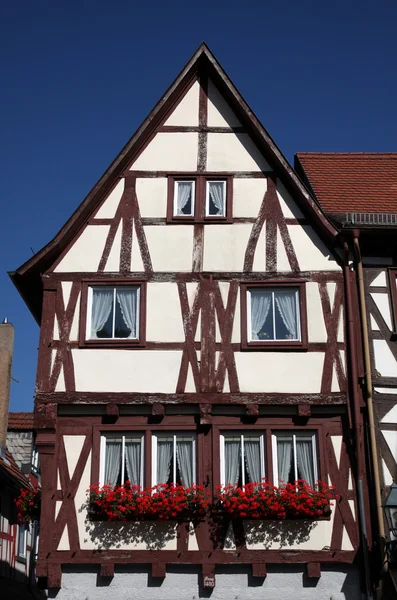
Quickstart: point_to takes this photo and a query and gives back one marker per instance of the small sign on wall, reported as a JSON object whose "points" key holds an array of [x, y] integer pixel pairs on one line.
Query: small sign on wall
{"points": [[209, 581]]}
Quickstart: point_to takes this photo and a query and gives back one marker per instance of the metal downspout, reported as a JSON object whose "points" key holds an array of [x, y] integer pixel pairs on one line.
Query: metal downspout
{"points": [[370, 408], [357, 426]]}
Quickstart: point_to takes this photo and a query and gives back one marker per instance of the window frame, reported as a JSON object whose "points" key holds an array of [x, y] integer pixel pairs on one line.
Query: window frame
{"points": [[200, 198], [161, 433], [123, 435], [310, 433], [246, 343], [22, 555], [85, 306], [242, 433]]}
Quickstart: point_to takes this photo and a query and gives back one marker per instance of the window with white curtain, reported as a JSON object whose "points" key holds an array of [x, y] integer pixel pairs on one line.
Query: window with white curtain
{"points": [[215, 201], [273, 314], [295, 457], [184, 198], [174, 458], [121, 459], [242, 458], [113, 312], [22, 541]]}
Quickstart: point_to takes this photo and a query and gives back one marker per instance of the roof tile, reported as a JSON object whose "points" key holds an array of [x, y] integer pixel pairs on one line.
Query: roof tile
{"points": [[20, 420]]}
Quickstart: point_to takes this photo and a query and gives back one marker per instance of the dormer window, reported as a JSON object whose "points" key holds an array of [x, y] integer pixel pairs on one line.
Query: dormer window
{"points": [[200, 198]]}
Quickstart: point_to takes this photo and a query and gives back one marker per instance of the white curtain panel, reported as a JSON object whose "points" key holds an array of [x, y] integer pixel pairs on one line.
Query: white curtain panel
{"points": [[164, 455], [260, 306], [184, 193], [252, 452], [102, 300], [184, 454], [112, 462], [216, 195], [284, 457], [286, 304], [127, 300], [232, 461], [133, 460], [304, 452]]}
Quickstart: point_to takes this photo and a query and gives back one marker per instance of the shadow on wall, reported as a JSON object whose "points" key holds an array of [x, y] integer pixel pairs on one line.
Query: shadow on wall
{"points": [[145, 535], [14, 585]]}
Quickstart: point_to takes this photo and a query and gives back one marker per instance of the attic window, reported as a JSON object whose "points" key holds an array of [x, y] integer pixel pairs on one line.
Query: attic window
{"points": [[184, 198], [200, 198], [215, 203]]}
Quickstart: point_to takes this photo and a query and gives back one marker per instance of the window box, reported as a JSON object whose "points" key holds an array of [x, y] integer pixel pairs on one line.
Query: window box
{"points": [[200, 198], [113, 314], [273, 315]]}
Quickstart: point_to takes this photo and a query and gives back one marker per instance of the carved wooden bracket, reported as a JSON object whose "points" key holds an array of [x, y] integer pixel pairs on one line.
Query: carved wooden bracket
{"points": [[112, 413], [208, 572], [259, 570], [106, 570], [45, 416], [304, 410], [252, 410], [45, 442], [159, 570], [205, 414], [158, 410], [54, 576], [314, 570]]}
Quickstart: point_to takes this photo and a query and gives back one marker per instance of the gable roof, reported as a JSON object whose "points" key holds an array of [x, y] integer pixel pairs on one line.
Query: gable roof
{"points": [[27, 278], [351, 182], [20, 420]]}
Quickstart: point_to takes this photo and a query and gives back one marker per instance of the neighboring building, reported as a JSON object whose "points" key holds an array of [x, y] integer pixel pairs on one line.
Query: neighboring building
{"points": [[192, 317], [21, 444], [358, 191]]}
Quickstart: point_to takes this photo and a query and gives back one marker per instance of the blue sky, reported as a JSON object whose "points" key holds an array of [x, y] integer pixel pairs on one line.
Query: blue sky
{"points": [[78, 78]]}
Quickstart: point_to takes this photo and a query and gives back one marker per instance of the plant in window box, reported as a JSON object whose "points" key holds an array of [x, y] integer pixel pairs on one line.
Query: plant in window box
{"points": [[28, 505], [298, 500], [161, 502]]}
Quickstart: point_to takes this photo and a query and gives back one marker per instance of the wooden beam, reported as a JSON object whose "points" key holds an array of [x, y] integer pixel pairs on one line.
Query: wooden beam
{"points": [[112, 410], [304, 410], [314, 570], [159, 570], [208, 572], [259, 570], [205, 414], [106, 570], [158, 410], [54, 577], [252, 410]]}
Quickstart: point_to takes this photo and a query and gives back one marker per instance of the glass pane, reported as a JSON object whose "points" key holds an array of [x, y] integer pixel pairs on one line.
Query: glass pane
{"points": [[252, 455], [216, 198], [184, 199], [285, 459], [113, 461], [285, 315], [185, 466], [261, 315], [305, 459], [102, 312], [132, 467], [232, 460], [126, 316]]}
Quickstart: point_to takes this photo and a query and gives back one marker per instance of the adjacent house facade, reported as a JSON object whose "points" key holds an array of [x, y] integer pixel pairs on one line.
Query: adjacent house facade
{"points": [[194, 330], [358, 191]]}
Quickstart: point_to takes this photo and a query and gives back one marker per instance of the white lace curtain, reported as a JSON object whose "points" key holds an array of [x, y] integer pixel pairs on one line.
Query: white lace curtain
{"points": [[164, 455], [232, 461], [102, 302], [260, 306], [304, 455], [284, 458], [112, 462], [252, 453], [133, 461], [184, 455], [127, 299], [286, 304], [216, 195], [184, 193]]}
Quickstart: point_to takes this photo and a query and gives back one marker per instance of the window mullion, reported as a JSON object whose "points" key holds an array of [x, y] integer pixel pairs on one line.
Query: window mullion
{"points": [[295, 456], [123, 459], [174, 467], [114, 313], [274, 316], [262, 455], [142, 460], [194, 467], [242, 461]]}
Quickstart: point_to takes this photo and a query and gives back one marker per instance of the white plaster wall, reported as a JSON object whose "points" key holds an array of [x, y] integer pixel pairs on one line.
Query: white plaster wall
{"points": [[289, 208], [225, 246], [220, 113], [380, 280], [74, 330], [233, 152], [103, 370], [385, 362], [382, 302], [86, 252], [311, 252], [391, 439], [248, 195], [152, 196], [170, 247], [112, 264], [187, 110], [233, 582], [164, 320], [109, 206], [315, 318], [169, 152], [270, 372], [224, 287], [390, 416]]}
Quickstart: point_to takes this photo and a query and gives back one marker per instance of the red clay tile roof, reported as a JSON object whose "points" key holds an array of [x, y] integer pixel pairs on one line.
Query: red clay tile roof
{"points": [[351, 182], [20, 420], [10, 467]]}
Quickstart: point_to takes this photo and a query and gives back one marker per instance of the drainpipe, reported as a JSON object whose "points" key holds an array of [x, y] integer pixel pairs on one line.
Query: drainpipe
{"points": [[357, 423], [370, 408]]}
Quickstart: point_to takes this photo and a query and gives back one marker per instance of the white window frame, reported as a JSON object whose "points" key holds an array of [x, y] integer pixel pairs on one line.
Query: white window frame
{"points": [[90, 297], [176, 185], [163, 434], [207, 198], [35, 460], [22, 552], [122, 435], [272, 290], [308, 434], [242, 457]]}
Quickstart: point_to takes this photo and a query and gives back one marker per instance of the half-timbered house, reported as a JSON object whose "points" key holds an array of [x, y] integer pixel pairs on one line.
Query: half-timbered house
{"points": [[192, 316], [358, 191]]}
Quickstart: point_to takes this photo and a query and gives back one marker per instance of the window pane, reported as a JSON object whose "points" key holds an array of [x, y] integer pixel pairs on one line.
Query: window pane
{"points": [[113, 461], [305, 459], [232, 459], [184, 198], [252, 454], [164, 460], [216, 198], [285, 459], [126, 316], [184, 455], [285, 315], [21, 541], [133, 457], [102, 312], [261, 315]]}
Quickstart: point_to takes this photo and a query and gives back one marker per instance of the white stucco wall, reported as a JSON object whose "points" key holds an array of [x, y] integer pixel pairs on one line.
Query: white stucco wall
{"points": [[220, 113], [187, 111], [85, 253], [224, 247], [152, 196], [234, 152], [248, 195], [169, 152], [170, 247], [109, 205], [164, 322]]}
